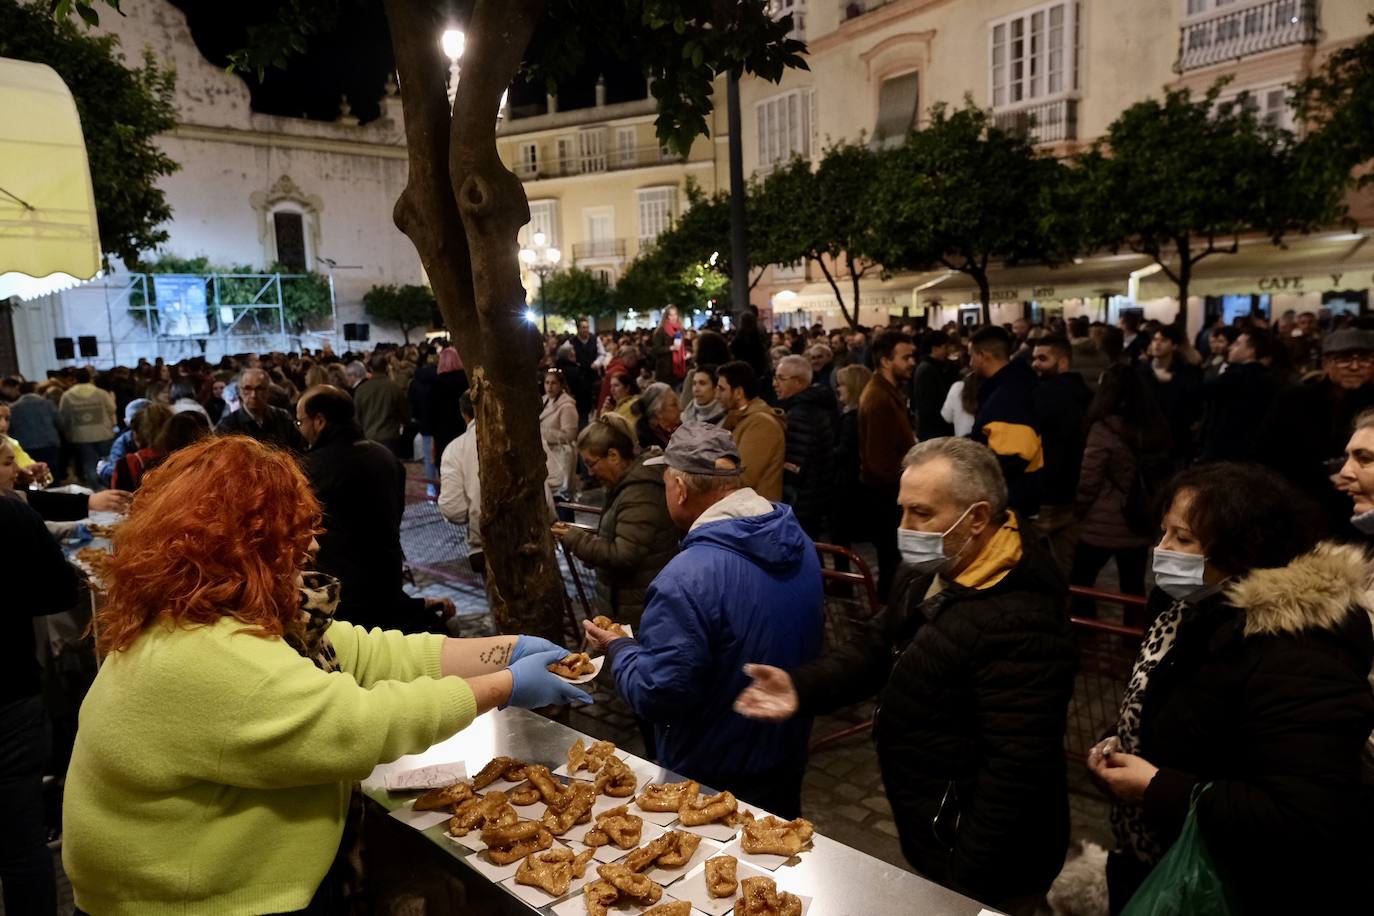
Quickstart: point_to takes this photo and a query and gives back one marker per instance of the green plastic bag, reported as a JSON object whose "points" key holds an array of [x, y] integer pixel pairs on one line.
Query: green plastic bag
{"points": [[1186, 881]]}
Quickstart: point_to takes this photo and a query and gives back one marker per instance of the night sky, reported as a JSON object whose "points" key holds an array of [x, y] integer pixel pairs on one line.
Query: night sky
{"points": [[354, 58]]}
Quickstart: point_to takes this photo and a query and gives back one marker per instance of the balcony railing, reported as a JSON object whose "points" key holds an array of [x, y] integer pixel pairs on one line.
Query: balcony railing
{"points": [[599, 248], [1248, 30], [1045, 122], [614, 160]]}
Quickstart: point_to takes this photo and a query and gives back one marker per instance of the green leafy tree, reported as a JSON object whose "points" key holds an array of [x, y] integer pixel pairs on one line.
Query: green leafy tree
{"points": [[964, 194], [122, 110], [1337, 105], [1180, 179], [463, 209], [408, 307], [822, 216], [577, 293]]}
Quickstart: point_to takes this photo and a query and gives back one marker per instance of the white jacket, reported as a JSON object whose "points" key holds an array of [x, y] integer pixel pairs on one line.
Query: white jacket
{"points": [[460, 486], [558, 427]]}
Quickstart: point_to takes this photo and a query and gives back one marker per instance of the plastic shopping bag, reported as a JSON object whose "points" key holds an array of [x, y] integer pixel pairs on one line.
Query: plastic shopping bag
{"points": [[1186, 881]]}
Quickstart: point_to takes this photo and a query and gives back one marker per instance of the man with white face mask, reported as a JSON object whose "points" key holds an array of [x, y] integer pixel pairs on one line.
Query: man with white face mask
{"points": [[973, 664]]}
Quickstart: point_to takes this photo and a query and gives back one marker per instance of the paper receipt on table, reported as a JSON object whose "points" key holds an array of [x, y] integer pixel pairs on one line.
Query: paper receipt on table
{"points": [[435, 776]]}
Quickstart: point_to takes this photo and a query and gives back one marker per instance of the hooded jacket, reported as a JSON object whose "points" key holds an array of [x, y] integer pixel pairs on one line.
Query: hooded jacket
{"points": [[809, 469], [973, 684], [745, 588], [1265, 695], [760, 432], [634, 541]]}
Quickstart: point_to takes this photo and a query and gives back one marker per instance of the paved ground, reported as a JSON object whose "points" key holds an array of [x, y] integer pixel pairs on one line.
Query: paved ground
{"points": [[842, 793]]}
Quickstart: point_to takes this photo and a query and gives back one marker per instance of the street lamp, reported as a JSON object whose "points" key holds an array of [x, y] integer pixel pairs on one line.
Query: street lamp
{"points": [[542, 260], [453, 42]]}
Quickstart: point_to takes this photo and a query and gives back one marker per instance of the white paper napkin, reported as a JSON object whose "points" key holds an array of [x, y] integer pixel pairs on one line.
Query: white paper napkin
{"points": [[435, 776], [610, 852], [667, 876], [591, 777], [721, 833], [762, 859], [692, 889], [536, 897], [597, 664], [420, 820]]}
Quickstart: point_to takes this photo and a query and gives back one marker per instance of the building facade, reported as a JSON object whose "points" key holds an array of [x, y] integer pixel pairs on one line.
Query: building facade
{"points": [[252, 190], [601, 187], [1060, 71]]}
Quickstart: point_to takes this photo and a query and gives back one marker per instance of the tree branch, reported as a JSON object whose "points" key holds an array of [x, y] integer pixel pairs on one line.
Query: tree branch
{"points": [[491, 199], [835, 287], [426, 210]]}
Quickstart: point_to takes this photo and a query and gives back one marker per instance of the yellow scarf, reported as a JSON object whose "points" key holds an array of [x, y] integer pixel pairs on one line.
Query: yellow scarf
{"points": [[998, 558]]}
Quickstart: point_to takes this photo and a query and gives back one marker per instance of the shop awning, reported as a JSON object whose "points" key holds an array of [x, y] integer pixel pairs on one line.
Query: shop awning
{"points": [[48, 235], [1093, 278], [1319, 263]]}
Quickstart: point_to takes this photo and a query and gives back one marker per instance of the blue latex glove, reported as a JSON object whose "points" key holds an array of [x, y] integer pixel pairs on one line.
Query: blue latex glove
{"points": [[528, 645], [533, 686]]}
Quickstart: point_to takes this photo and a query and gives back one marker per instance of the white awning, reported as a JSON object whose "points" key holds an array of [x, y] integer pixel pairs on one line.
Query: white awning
{"points": [[48, 235]]}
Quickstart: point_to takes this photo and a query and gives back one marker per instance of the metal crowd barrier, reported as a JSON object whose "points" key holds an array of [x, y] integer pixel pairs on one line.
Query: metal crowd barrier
{"points": [[1106, 652]]}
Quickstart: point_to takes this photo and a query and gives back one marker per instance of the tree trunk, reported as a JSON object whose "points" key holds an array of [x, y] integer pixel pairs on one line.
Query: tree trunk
{"points": [[739, 229], [1185, 276], [854, 277], [835, 287], [984, 293], [463, 209]]}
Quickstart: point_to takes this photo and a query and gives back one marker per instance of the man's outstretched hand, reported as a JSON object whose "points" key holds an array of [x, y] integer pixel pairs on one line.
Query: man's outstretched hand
{"points": [[771, 697]]}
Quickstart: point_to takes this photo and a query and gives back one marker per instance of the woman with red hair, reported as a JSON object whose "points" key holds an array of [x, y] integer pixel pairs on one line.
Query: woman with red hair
{"points": [[231, 715]]}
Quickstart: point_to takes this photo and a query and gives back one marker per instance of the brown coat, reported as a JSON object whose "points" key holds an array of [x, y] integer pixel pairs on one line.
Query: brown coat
{"points": [[760, 432], [885, 433], [1105, 479]]}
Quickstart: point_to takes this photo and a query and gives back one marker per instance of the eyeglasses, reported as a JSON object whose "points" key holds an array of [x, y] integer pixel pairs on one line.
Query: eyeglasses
{"points": [[1352, 359]]}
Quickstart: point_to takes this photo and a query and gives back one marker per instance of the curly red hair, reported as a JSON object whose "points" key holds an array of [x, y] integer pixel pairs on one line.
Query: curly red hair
{"points": [[218, 529]]}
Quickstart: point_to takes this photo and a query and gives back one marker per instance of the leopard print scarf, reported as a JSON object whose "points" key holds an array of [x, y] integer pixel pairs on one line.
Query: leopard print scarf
{"points": [[1128, 822], [319, 597]]}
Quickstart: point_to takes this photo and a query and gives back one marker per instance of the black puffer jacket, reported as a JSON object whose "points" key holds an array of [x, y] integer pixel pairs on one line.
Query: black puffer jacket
{"points": [[1265, 695], [974, 686], [809, 468]]}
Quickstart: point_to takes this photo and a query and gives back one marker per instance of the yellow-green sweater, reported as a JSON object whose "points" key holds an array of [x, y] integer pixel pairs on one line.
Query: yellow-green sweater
{"points": [[212, 768]]}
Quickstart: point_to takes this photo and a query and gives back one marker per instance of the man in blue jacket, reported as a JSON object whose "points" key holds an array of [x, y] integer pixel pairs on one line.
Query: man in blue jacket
{"points": [[746, 586]]}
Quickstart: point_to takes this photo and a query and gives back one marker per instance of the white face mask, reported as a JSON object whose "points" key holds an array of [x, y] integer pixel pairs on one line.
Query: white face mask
{"points": [[1179, 574], [925, 550], [1364, 522]]}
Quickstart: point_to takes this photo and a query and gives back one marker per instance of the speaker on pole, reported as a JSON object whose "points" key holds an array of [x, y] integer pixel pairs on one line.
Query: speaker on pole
{"points": [[350, 331], [88, 346], [65, 347], [363, 331]]}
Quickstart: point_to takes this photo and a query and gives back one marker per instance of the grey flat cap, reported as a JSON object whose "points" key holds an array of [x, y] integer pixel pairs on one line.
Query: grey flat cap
{"points": [[695, 448], [1348, 340]]}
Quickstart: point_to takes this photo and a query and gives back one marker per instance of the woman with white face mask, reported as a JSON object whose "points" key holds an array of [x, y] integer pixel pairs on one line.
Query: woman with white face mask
{"points": [[1251, 680]]}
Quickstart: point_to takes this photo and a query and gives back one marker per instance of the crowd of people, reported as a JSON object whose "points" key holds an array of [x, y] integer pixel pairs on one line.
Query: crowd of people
{"points": [[989, 468]]}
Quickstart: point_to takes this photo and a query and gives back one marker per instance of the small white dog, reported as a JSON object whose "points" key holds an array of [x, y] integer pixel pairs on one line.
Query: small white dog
{"points": [[1081, 888]]}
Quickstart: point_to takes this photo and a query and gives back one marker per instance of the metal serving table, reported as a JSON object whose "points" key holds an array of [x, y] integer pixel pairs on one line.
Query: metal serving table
{"points": [[840, 880]]}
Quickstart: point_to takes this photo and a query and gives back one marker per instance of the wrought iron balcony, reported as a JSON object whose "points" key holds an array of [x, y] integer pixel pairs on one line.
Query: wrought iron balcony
{"points": [[599, 248], [1042, 122], [612, 160], [1247, 30]]}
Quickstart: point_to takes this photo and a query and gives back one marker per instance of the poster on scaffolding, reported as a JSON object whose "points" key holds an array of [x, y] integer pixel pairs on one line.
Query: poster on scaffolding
{"points": [[181, 304]]}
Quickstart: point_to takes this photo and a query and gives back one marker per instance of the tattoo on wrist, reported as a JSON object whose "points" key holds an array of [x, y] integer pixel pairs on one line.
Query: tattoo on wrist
{"points": [[497, 655]]}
